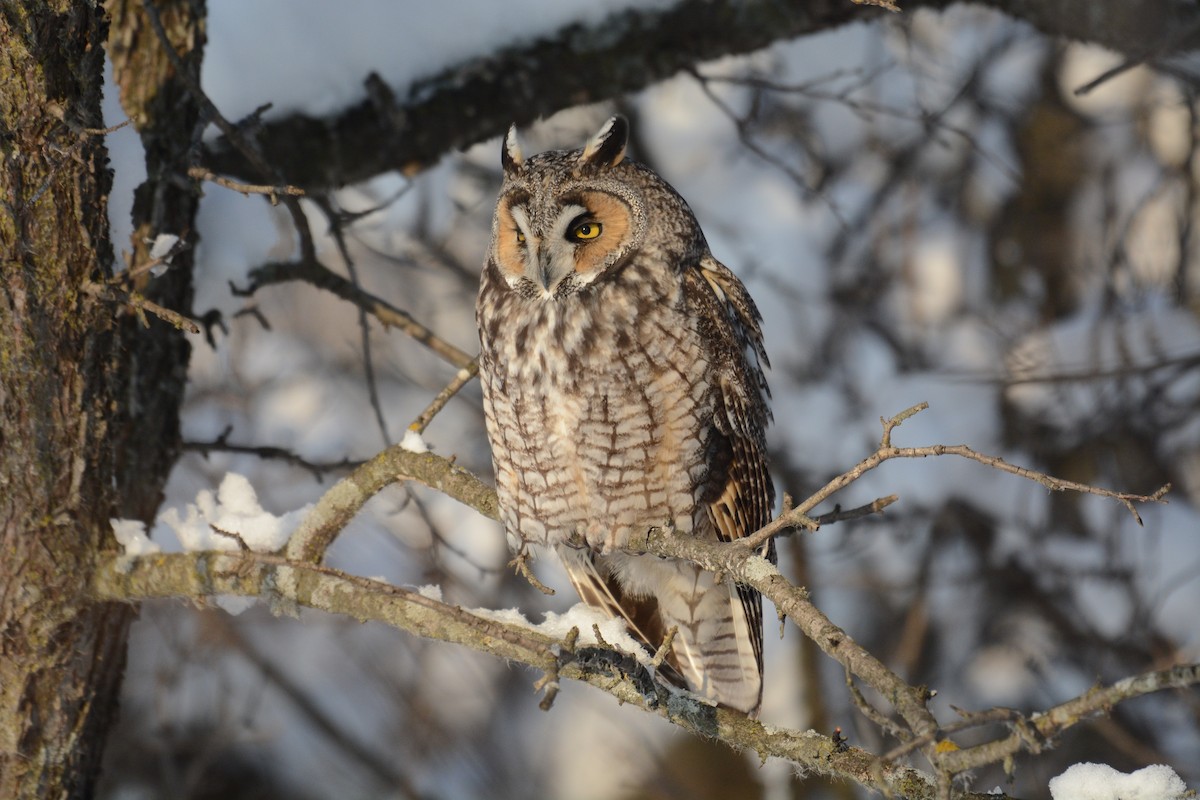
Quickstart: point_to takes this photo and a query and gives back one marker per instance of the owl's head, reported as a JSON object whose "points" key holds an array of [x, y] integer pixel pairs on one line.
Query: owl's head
{"points": [[565, 218]]}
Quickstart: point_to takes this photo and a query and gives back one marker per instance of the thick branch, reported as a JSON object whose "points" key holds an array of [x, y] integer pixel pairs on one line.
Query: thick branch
{"points": [[409, 128], [202, 575], [344, 499], [467, 103], [1032, 732]]}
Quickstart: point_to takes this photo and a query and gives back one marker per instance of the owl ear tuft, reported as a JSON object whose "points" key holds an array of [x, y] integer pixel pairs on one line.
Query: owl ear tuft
{"points": [[510, 153], [607, 147]]}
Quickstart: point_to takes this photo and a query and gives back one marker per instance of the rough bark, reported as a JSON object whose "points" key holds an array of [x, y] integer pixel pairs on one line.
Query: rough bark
{"points": [[167, 118], [61, 655], [89, 397]]}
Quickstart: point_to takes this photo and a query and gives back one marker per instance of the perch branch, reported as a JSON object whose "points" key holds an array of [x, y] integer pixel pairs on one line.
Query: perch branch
{"points": [[198, 576]]}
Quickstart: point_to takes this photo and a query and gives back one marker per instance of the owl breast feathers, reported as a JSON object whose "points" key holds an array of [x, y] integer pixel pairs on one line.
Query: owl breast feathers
{"points": [[623, 390]]}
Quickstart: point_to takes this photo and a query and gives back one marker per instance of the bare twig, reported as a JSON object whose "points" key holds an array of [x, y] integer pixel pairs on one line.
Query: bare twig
{"points": [[222, 445], [664, 649], [869, 509], [317, 274], [1168, 45], [460, 379], [520, 562], [235, 135], [884, 4], [1052, 722], [798, 516], [879, 719], [332, 216], [272, 192], [108, 130], [113, 294]]}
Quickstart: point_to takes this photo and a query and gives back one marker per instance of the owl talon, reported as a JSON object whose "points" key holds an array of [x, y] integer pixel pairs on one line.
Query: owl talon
{"points": [[520, 563], [613, 663]]}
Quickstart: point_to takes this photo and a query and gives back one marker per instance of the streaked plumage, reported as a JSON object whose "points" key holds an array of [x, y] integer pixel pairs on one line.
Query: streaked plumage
{"points": [[623, 390]]}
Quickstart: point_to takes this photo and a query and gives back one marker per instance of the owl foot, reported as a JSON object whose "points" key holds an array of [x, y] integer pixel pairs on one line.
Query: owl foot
{"points": [[601, 661]]}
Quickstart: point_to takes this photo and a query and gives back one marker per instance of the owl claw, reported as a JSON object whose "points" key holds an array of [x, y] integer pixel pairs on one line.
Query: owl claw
{"points": [[620, 665], [520, 563]]}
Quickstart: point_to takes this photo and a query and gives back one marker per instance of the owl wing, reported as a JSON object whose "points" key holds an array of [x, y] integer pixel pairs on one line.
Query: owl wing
{"points": [[740, 494], [742, 507]]}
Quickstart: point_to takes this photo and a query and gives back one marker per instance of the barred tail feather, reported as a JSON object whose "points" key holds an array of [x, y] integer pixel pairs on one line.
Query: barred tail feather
{"points": [[714, 647]]}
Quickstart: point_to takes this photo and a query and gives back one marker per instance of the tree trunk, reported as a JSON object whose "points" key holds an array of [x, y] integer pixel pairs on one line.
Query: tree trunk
{"points": [[89, 399]]}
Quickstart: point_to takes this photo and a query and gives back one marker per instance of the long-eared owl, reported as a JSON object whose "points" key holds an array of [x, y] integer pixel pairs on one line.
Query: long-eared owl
{"points": [[623, 388]]}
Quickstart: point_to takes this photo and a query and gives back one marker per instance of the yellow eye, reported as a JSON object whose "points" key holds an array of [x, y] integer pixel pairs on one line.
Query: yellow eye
{"points": [[520, 237], [585, 231]]}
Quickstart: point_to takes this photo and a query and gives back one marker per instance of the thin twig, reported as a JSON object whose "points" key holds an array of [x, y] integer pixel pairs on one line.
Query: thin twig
{"points": [[1035, 729], [113, 294], [520, 562], [243, 144], [887, 5], [222, 445], [339, 238], [867, 510], [797, 517], [974, 720], [317, 274], [273, 192], [873, 714], [108, 130], [460, 379]]}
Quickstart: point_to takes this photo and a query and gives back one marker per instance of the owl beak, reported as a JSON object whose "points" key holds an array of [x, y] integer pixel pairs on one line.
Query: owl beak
{"points": [[548, 274]]}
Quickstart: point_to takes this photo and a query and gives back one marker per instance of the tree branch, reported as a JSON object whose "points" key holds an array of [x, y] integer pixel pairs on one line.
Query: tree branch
{"points": [[203, 575], [409, 128], [798, 516], [344, 499], [312, 271], [1033, 731], [298, 579]]}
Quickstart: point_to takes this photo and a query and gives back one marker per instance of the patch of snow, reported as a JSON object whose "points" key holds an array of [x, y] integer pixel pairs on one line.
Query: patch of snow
{"points": [[1102, 782], [431, 591], [131, 533], [161, 248], [413, 443], [218, 522]]}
